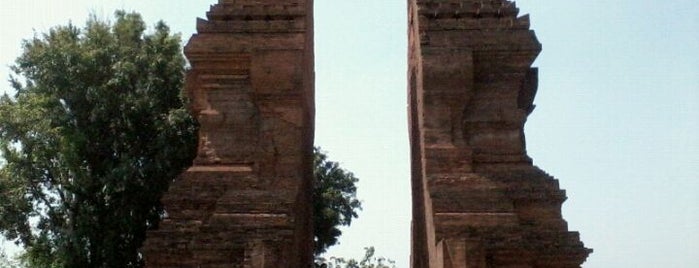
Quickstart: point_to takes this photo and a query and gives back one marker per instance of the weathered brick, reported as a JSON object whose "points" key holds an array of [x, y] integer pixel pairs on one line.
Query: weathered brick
{"points": [[478, 200], [246, 201]]}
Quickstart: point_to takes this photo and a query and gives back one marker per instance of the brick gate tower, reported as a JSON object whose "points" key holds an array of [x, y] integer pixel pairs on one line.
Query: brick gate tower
{"points": [[246, 201], [477, 199]]}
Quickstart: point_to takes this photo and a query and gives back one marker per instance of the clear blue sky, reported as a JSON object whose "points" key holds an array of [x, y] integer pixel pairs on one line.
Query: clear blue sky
{"points": [[617, 115]]}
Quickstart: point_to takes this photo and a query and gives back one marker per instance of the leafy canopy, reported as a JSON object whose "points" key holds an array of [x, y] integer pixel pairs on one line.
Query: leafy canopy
{"points": [[91, 140], [368, 261], [335, 201], [94, 135]]}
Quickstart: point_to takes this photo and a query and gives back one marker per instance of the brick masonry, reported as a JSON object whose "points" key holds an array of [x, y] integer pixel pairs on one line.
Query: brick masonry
{"points": [[246, 201], [478, 201]]}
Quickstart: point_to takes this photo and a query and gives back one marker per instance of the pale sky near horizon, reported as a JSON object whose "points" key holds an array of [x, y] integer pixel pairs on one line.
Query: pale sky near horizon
{"points": [[617, 115]]}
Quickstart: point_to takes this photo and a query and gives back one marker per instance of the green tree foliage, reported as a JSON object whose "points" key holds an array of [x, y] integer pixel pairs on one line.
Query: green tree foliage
{"points": [[95, 134], [334, 201], [91, 140], [368, 261]]}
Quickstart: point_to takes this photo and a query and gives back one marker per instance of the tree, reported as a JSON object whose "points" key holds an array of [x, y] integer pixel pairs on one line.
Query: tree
{"points": [[94, 135], [335, 202], [368, 261], [91, 140]]}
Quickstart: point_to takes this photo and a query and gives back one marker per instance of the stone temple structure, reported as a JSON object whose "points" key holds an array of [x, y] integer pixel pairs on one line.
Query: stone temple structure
{"points": [[477, 199], [246, 201]]}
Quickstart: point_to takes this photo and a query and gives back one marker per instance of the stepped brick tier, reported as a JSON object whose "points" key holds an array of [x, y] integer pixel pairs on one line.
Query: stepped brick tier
{"points": [[477, 199], [246, 201]]}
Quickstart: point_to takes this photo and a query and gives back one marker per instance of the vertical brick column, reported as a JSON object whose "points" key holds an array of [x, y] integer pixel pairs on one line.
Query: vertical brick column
{"points": [[478, 201], [246, 201]]}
